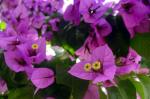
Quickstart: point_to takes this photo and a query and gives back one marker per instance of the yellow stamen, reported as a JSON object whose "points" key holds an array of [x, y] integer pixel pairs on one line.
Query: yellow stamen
{"points": [[35, 46], [96, 65], [99, 84], [119, 62], [87, 67]]}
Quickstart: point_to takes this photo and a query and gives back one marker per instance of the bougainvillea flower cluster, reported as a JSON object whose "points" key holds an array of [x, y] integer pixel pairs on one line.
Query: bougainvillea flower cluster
{"points": [[128, 64], [99, 68], [23, 47], [29, 30], [133, 17]]}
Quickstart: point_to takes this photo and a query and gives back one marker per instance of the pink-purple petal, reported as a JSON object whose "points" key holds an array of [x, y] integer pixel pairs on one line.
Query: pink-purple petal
{"points": [[92, 92], [78, 71], [42, 77]]}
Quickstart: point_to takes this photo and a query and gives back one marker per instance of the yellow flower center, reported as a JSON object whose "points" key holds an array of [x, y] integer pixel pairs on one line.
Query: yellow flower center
{"points": [[119, 62], [96, 65], [87, 67], [35, 46]]}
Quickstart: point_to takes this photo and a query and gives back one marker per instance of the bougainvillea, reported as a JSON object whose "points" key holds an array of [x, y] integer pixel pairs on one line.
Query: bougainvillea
{"points": [[74, 49]]}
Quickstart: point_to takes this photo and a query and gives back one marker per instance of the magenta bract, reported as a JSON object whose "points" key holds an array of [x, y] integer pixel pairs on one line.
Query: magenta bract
{"points": [[42, 77], [99, 68]]}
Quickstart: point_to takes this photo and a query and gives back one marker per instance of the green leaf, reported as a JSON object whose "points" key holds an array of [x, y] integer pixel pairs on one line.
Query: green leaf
{"points": [[62, 92], [3, 97], [119, 39], [7, 75], [71, 37], [146, 82], [77, 86], [145, 62], [127, 89], [124, 90], [2, 25], [114, 93], [102, 94], [21, 79], [23, 93], [140, 88], [62, 76], [58, 91], [141, 43]]}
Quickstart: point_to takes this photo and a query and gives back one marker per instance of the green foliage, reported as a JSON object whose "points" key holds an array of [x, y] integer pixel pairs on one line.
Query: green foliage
{"points": [[127, 89], [23, 93], [124, 90], [3, 25], [102, 94], [142, 45], [71, 37], [78, 86], [145, 80], [113, 93], [140, 88], [119, 39]]}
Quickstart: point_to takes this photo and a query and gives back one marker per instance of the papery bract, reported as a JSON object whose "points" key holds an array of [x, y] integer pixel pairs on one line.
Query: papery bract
{"points": [[129, 64], [20, 11], [146, 2], [15, 61], [93, 41], [132, 13], [102, 27], [42, 77], [143, 71], [109, 83], [7, 43], [99, 68], [54, 24], [143, 27], [92, 10], [48, 36], [34, 51], [72, 13], [10, 4], [92, 92], [29, 71], [138, 96], [57, 4], [3, 86], [38, 20], [50, 98]]}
